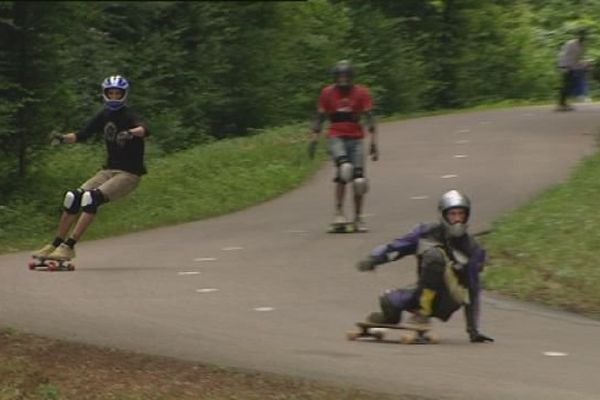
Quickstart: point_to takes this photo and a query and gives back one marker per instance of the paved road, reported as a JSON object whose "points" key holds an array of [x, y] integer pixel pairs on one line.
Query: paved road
{"points": [[286, 291]]}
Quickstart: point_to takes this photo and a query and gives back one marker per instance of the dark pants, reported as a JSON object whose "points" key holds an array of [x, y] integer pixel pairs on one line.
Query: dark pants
{"points": [[431, 270], [565, 86]]}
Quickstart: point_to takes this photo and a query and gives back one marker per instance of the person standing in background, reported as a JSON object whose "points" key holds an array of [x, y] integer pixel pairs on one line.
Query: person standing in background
{"points": [[570, 62]]}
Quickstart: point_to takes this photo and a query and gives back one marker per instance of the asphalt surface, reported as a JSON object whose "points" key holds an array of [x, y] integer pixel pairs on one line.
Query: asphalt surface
{"points": [[266, 288]]}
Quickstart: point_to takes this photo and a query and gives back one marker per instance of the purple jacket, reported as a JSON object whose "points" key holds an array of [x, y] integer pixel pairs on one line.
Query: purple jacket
{"points": [[427, 235]]}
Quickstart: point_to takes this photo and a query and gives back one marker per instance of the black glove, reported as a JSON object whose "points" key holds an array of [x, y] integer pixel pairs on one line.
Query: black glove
{"points": [[56, 138], [374, 151], [477, 337], [123, 137], [369, 263], [312, 149]]}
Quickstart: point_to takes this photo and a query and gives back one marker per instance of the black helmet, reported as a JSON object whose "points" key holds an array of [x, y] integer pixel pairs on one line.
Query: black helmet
{"points": [[343, 67]]}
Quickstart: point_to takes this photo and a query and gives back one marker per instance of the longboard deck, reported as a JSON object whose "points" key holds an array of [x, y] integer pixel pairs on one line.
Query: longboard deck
{"points": [[368, 325], [348, 227], [417, 335], [46, 264]]}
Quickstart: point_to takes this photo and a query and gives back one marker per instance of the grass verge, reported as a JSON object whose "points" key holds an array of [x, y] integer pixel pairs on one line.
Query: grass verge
{"points": [[479, 107], [201, 182], [37, 368], [547, 250]]}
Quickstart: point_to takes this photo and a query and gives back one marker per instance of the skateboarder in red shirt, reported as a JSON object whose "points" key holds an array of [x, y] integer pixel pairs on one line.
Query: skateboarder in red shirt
{"points": [[344, 103]]}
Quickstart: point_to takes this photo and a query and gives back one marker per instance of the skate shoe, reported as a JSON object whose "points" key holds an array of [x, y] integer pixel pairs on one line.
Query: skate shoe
{"points": [[62, 253], [360, 225], [44, 252], [565, 107], [418, 321], [376, 318], [340, 218]]}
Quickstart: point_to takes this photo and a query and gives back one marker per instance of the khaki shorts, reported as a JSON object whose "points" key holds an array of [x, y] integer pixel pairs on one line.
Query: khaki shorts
{"points": [[113, 183]]}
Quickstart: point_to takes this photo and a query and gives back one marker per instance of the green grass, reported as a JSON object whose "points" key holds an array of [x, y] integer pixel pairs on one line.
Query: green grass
{"points": [[480, 107], [201, 182], [547, 251]]}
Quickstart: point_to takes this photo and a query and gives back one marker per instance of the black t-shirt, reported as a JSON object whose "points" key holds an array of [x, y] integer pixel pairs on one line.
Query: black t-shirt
{"points": [[128, 156]]}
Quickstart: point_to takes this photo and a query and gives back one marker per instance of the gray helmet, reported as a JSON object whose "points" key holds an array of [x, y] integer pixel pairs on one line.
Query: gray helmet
{"points": [[454, 199], [343, 67]]}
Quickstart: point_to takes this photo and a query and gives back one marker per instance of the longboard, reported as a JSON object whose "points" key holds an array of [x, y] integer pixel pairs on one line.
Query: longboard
{"points": [[346, 227], [46, 264], [375, 331]]}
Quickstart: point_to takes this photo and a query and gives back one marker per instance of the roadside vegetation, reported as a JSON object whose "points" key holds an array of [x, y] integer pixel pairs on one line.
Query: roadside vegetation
{"points": [[37, 368], [547, 250]]}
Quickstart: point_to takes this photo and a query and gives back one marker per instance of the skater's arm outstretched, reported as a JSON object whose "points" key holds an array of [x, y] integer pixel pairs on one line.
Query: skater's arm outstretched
{"points": [[315, 131], [396, 249]]}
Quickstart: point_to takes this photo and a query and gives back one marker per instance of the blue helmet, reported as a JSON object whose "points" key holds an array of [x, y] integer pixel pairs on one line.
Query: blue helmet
{"points": [[115, 82]]}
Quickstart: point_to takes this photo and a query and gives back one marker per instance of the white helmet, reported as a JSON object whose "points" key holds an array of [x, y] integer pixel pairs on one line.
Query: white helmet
{"points": [[454, 199], [115, 82]]}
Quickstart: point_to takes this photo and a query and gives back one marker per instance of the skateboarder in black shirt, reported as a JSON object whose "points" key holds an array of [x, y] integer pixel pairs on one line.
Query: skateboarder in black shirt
{"points": [[124, 135]]}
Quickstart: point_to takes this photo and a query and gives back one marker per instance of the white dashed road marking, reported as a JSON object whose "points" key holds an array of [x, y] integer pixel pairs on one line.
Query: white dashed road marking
{"points": [[463, 141], [188, 273], [424, 197], [463, 131], [460, 156], [555, 354], [449, 176], [263, 309], [207, 290], [232, 248], [200, 259]]}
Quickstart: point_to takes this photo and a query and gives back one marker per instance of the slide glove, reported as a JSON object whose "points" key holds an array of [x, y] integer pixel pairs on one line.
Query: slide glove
{"points": [[477, 337], [374, 151], [56, 138], [369, 263]]}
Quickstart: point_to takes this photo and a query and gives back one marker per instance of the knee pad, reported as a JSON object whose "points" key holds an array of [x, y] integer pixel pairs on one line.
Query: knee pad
{"points": [[72, 201], [361, 186], [91, 200], [391, 314], [345, 170]]}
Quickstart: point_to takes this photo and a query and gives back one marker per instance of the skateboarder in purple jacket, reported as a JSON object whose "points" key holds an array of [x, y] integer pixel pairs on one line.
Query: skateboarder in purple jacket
{"points": [[449, 263]]}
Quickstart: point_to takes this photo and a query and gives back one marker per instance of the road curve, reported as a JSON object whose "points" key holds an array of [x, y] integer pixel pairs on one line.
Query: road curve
{"points": [[266, 288]]}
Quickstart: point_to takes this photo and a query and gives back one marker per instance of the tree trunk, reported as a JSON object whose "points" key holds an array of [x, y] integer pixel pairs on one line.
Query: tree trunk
{"points": [[21, 12]]}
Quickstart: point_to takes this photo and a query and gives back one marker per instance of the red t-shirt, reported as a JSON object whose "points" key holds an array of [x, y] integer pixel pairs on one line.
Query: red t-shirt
{"points": [[344, 109]]}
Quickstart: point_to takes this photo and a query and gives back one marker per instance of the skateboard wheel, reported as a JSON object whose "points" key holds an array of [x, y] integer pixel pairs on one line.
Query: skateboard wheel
{"points": [[378, 335], [352, 335], [52, 266], [32, 265], [433, 339], [71, 267], [408, 339]]}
